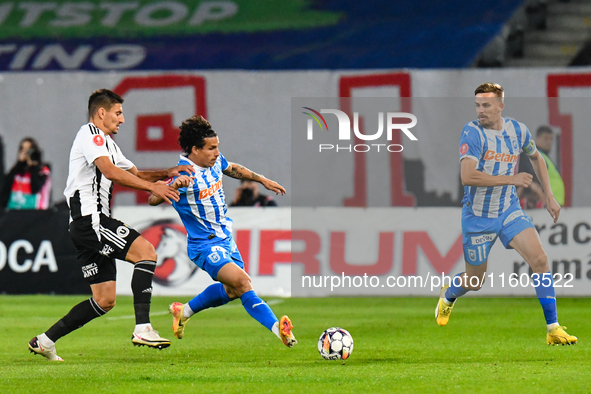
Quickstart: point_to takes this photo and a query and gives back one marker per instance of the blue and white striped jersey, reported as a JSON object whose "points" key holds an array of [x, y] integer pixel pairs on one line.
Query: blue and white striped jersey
{"points": [[495, 153], [202, 206]]}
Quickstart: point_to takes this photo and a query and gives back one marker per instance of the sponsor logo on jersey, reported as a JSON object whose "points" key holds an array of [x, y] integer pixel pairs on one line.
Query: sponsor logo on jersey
{"points": [[98, 140], [483, 238], [89, 270], [210, 190], [463, 149], [500, 157]]}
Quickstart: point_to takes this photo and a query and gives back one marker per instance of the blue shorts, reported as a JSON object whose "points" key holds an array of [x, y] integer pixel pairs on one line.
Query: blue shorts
{"points": [[479, 234], [211, 256]]}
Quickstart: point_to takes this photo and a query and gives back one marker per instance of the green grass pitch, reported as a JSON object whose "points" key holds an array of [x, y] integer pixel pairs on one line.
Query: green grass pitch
{"points": [[490, 345]]}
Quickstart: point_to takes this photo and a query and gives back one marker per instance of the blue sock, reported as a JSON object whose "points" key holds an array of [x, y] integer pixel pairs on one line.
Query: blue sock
{"points": [[214, 295], [455, 290], [547, 296], [258, 309]]}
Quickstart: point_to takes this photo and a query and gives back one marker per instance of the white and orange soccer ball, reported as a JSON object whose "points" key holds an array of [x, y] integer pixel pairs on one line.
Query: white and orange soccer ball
{"points": [[335, 343]]}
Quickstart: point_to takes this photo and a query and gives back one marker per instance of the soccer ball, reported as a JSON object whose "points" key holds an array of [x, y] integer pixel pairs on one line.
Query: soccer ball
{"points": [[335, 344]]}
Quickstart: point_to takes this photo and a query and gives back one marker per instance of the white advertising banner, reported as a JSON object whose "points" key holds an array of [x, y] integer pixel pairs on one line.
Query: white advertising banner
{"points": [[352, 252]]}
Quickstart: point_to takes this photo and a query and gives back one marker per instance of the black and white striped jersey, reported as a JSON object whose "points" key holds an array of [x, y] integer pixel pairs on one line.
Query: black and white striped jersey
{"points": [[88, 191]]}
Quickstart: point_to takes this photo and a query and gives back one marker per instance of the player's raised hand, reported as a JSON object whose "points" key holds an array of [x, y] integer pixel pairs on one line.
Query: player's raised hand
{"points": [[522, 179], [273, 186], [165, 192], [176, 171], [553, 208]]}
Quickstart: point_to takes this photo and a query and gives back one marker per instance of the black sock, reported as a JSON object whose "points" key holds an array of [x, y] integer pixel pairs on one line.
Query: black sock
{"points": [[141, 286], [78, 316]]}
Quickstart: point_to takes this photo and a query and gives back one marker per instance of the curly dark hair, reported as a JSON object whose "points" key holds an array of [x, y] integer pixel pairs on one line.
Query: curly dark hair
{"points": [[102, 98], [193, 133]]}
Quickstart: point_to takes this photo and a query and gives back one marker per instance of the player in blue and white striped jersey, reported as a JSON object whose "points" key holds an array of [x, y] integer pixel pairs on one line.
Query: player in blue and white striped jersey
{"points": [[202, 209], [489, 149]]}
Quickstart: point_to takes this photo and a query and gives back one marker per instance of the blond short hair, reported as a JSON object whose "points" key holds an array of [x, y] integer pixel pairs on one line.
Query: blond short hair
{"points": [[491, 87]]}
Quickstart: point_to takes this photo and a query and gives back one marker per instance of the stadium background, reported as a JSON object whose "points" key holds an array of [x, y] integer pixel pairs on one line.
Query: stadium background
{"points": [[242, 66]]}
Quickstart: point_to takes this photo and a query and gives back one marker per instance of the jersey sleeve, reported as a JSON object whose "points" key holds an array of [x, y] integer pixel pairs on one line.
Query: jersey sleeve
{"points": [[224, 162], [529, 145], [170, 181], [123, 162], [470, 143], [93, 146]]}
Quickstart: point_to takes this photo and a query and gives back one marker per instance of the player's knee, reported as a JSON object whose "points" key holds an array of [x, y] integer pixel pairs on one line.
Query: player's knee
{"points": [[539, 263], [150, 252], [146, 250], [239, 286], [106, 302]]}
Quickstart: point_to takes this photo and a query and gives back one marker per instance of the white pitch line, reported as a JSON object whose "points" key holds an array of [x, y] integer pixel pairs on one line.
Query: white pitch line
{"points": [[160, 313]]}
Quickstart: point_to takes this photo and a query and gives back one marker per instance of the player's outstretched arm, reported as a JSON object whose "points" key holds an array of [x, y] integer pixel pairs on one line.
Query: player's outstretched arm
{"points": [[238, 171], [539, 165], [153, 176], [125, 178], [181, 181], [472, 177]]}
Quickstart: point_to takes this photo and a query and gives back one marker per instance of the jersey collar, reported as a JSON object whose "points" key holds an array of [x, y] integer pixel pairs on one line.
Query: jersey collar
{"points": [[193, 164]]}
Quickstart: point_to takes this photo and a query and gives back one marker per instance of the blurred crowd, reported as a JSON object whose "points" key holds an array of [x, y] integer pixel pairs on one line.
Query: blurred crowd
{"points": [[28, 183]]}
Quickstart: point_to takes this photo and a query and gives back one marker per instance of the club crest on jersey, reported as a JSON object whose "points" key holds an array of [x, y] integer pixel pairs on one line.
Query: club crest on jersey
{"points": [[500, 157], [98, 140], [122, 231], [214, 258], [515, 146], [472, 254], [210, 190], [463, 149]]}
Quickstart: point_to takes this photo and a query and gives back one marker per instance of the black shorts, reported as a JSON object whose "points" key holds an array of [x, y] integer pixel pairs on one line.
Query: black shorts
{"points": [[99, 244]]}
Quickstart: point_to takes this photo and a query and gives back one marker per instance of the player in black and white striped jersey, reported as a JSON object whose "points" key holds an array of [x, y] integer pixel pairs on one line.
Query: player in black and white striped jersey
{"points": [[95, 163]]}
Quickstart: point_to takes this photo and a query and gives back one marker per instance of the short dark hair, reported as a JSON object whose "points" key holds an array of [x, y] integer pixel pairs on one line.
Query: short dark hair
{"points": [[102, 98], [491, 87], [193, 133], [544, 130]]}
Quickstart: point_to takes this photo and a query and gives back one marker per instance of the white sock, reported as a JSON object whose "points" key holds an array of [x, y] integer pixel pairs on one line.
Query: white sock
{"points": [[275, 329], [187, 311], [141, 327], [552, 326], [447, 302], [45, 341]]}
